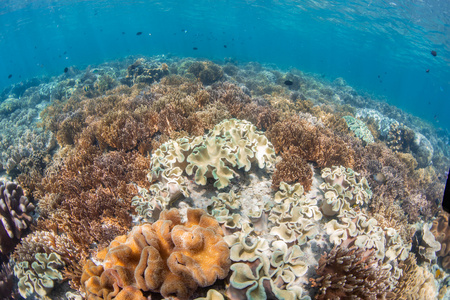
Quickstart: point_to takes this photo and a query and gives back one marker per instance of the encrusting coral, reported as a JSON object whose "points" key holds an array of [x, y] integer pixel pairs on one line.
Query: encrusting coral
{"points": [[170, 257], [15, 215]]}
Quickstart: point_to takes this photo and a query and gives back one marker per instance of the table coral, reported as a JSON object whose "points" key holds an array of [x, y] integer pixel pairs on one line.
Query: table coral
{"points": [[15, 215], [170, 257]]}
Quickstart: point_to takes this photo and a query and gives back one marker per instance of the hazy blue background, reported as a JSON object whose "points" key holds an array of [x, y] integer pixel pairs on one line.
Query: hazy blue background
{"points": [[381, 47]]}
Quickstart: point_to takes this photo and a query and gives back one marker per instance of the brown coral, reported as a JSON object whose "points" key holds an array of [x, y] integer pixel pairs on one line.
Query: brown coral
{"points": [[349, 272], [292, 169], [169, 257], [312, 142], [15, 215], [441, 231], [415, 283]]}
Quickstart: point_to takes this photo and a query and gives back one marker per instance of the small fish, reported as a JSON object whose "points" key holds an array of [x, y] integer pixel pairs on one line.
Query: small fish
{"points": [[438, 274], [9, 76], [139, 33], [379, 76], [66, 69], [288, 82], [434, 53], [428, 71], [195, 48], [224, 46], [379, 177]]}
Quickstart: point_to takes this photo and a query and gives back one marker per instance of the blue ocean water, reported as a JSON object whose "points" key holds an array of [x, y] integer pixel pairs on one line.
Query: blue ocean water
{"points": [[380, 47]]}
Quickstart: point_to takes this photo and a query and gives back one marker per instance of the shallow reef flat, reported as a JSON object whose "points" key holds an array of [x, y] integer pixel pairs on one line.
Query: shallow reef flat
{"points": [[175, 178]]}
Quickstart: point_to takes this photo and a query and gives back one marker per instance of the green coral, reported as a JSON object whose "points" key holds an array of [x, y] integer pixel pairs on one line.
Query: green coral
{"points": [[359, 128], [40, 277]]}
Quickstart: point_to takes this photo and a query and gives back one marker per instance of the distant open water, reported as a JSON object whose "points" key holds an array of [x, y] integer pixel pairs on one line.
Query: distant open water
{"points": [[382, 47]]}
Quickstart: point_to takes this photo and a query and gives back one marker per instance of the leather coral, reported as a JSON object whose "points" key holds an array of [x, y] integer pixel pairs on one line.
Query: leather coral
{"points": [[15, 215], [170, 257]]}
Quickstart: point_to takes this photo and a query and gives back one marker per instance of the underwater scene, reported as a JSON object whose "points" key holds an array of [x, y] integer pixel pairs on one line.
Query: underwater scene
{"points": [[220, 149]]}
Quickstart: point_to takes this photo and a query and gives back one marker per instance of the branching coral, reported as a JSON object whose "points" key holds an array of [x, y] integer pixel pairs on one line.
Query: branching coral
{"points": [[311, 142], [206, 72], [170, 257], [15, 215], [142, 71], [350, 272], [292, 169], [49, 242]]}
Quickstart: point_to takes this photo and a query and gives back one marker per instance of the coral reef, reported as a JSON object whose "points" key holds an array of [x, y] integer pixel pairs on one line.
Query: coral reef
{"points": [[170, 257], [50, 242], [163, 132], [15, 214], [142, 71], [206, 72], [351, 272]]}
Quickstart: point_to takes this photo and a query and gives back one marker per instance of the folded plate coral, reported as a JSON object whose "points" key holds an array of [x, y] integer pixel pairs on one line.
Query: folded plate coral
{"points": [[170, 257], [39, 278], [15, 215], [441, 231], [231, 143], [359, 128], [343, 189]]}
